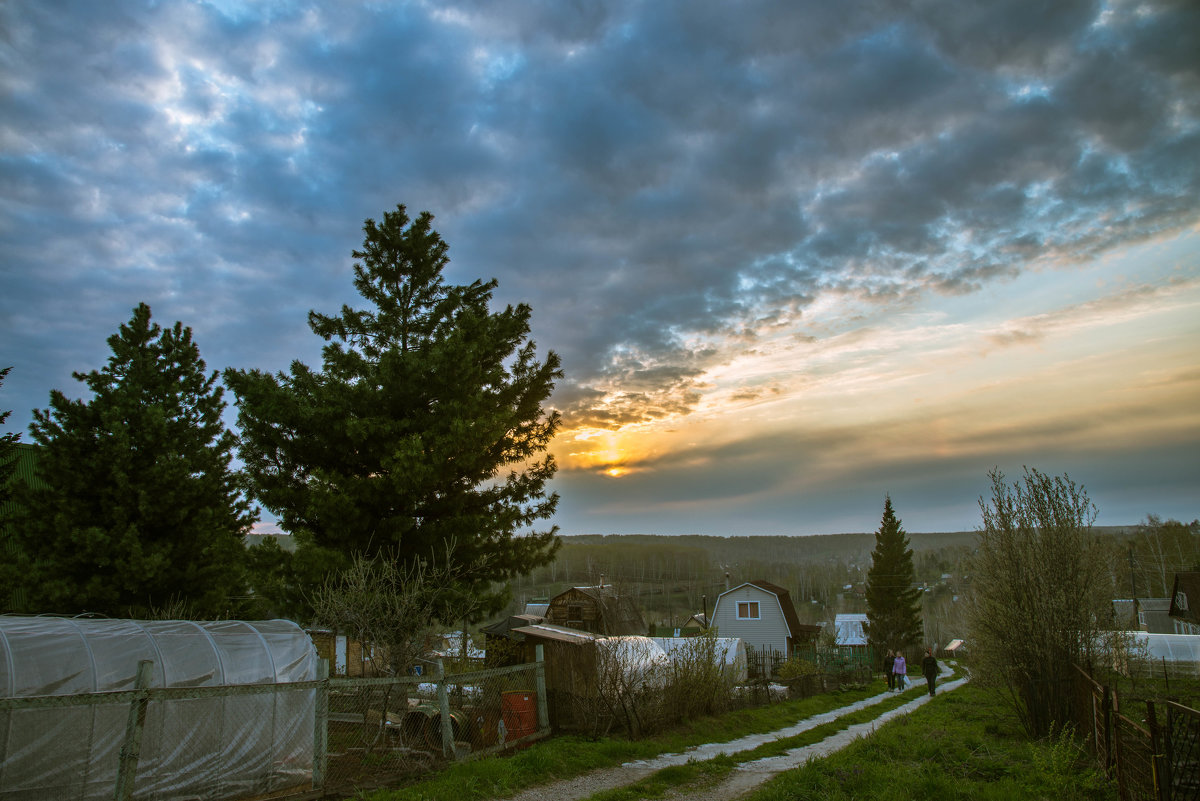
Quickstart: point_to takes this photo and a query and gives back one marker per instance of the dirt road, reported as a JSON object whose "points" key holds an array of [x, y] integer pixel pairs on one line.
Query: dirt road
{"points": [[747, 775]]}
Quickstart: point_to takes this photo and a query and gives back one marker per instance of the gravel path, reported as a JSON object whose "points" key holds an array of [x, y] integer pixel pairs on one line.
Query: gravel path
{"points": [[747, 775]]}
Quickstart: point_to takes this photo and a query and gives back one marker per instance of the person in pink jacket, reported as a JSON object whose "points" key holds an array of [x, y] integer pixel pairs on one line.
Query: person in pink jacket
{"points": [[901, 671]]}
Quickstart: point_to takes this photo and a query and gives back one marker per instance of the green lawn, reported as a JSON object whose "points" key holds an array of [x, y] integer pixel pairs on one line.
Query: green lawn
{"points": [[964, 745]]}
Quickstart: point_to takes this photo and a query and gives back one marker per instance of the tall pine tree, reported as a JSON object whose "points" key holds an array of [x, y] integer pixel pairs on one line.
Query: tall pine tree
{"points": [[135, 507], [424, 429], [893, 602]]}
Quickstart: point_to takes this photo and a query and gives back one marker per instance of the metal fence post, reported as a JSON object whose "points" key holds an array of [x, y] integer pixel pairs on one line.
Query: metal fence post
{"points": [[321, 726], [131, 750], [444, 707], [543, 710]]}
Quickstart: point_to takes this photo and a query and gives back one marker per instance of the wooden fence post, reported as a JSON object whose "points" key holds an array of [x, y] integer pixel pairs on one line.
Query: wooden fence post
{"points": [[444, 707], [1156, 751], [1108, 731], [543, 710], [1168, 781], [131, 750], [321, 726]]}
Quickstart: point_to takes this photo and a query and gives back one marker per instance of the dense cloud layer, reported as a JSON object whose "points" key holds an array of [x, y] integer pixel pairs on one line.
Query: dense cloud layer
{"points": [[666, 183]]}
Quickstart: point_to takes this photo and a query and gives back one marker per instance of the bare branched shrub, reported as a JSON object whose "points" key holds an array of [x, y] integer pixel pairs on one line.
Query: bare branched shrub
{"points": [[1041, 593], [391, 609], [630, 674], [636, 687], [700, 679]]}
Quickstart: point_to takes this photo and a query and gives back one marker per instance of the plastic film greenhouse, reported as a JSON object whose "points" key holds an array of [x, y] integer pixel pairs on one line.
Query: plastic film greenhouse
{"points": [[1164, 654], [61, 738]]}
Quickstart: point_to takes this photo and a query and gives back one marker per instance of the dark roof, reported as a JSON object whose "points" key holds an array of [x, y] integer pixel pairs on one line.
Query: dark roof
{"points": [[504, 628], [1185, 597]]}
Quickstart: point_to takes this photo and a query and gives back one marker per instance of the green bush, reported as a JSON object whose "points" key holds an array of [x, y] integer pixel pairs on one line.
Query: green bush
{"points": [[797, 669]]}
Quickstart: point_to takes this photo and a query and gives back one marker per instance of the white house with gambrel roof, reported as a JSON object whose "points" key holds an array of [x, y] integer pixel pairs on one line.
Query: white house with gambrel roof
{"points": [[761, 614]]}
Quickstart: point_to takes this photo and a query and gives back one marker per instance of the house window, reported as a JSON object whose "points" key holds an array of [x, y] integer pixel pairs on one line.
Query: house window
{"points": [[747, 610], [1181, 601], [575, 616]]}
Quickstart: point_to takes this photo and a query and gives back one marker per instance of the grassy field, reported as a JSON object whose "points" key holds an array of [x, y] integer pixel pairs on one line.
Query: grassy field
{"points": [[963, 746]]}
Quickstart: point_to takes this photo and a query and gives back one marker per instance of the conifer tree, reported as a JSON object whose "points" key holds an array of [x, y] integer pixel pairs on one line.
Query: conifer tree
{"points": [[424, 428], [12, 597], [8, 450], [135, 507], [893, 603]]}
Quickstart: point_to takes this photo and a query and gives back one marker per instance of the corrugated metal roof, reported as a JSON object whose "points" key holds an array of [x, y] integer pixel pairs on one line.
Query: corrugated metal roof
{"points": [[548, 631]]}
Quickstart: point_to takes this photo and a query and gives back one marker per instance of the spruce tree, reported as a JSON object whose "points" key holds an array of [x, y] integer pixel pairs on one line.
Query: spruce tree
{"points": [[8, 449], [135, 507], [423, 433], [893, 602], [12, 598]]}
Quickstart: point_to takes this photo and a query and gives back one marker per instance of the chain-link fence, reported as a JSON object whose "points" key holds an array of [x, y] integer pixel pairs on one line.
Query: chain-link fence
{"points": [[261, 740], [381, 729]]}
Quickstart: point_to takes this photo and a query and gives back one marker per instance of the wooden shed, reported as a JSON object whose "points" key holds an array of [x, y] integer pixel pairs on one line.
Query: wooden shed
{"points": [[570, 664], [600, 610]]}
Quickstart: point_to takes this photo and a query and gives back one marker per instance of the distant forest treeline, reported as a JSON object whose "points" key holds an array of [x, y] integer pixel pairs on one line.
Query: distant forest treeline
{"points": [[674, 577]]}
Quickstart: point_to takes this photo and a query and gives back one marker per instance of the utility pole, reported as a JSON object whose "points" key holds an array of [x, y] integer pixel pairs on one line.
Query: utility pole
{"points": [[1132, 579]]}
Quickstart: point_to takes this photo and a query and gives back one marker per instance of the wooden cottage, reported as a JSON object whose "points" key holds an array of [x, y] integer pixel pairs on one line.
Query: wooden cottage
{"points": [[600, 610]]}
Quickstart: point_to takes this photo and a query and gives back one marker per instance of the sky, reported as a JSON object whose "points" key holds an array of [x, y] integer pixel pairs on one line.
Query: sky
{"points": [[795, 255]]}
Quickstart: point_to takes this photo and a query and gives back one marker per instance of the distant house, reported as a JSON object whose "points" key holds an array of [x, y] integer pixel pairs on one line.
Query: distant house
{"points": [[1151, 615], [600, 610], [1185, 604], [450, 646], [347, 656], [696, 622], [761, 614], [1154, 615], [850, 629]]}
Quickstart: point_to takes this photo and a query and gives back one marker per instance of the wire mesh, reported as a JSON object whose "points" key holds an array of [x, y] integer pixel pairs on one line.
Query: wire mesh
{"points": [[381, 730], [1183, 725], [1134, 763]]}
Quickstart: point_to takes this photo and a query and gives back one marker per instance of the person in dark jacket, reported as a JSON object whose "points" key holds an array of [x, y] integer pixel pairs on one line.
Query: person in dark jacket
{"points": [[888, 660], [929, 667]]}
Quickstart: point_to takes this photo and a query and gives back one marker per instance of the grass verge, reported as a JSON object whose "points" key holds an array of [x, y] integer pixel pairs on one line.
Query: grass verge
{"points": [[965, 745]]}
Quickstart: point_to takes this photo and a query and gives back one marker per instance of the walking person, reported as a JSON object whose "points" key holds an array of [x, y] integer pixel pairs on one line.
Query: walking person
{"points": [[888, 661], [900, 670], [929, 667]]}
